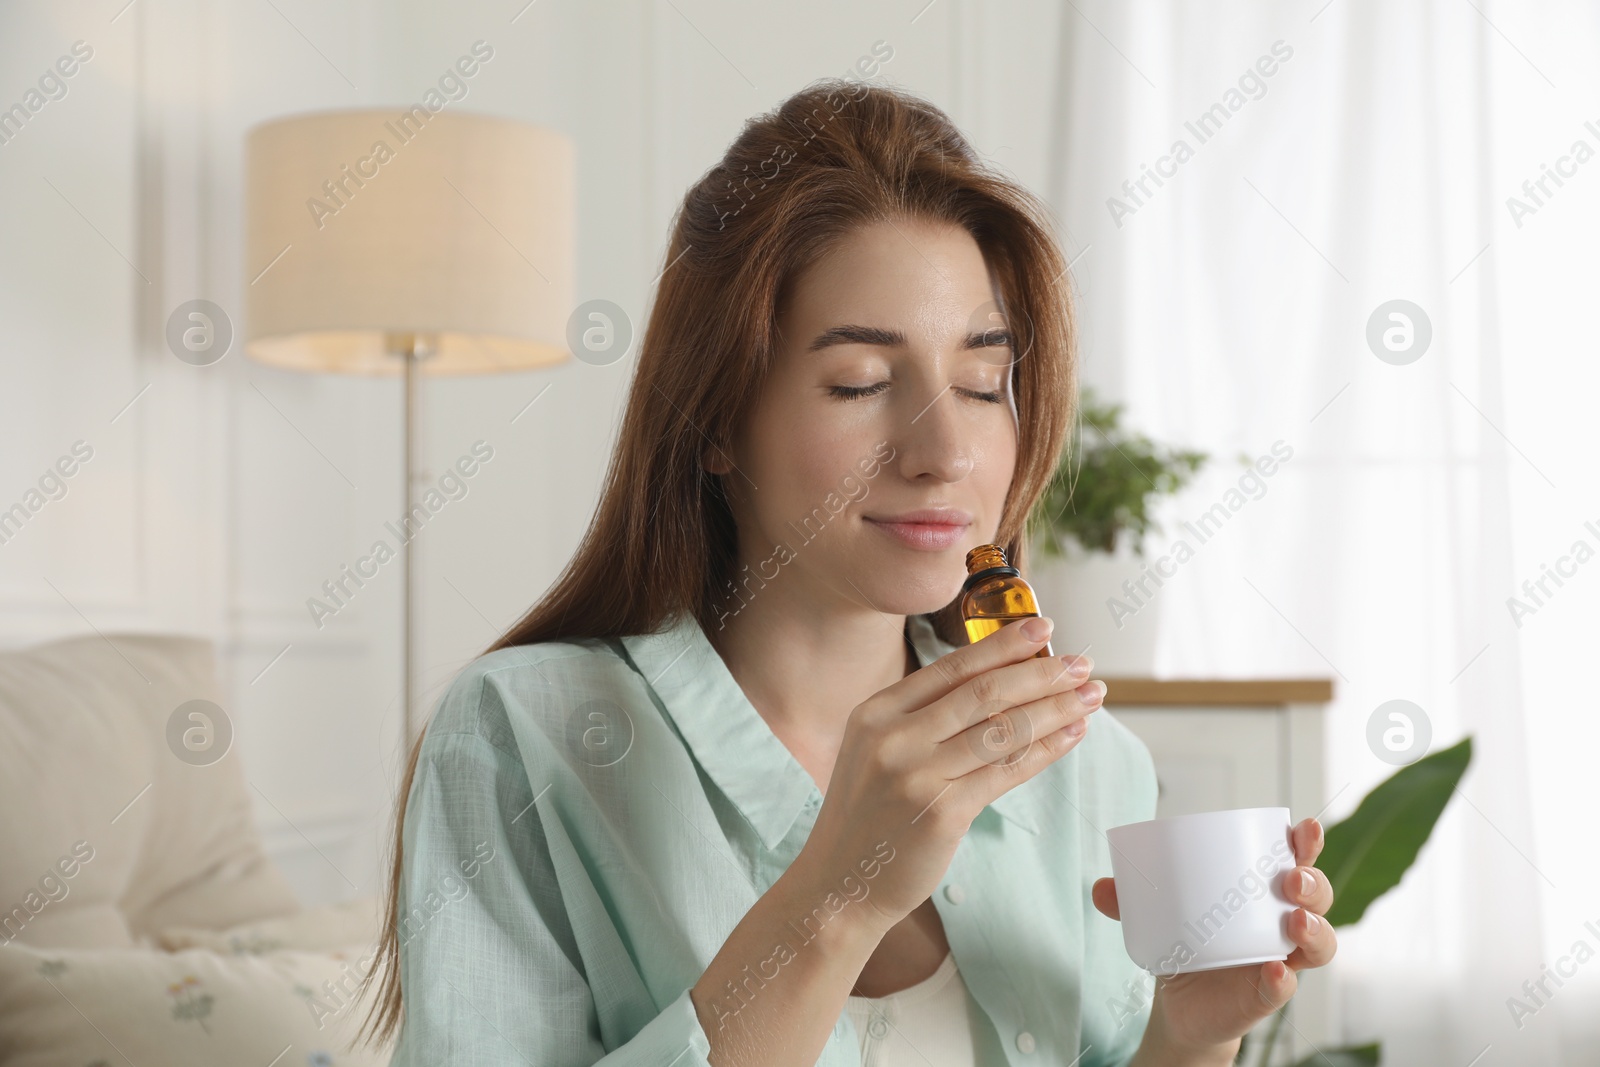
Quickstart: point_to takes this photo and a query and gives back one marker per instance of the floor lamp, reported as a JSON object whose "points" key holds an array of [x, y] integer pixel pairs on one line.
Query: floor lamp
{"points": [[385, 241]]}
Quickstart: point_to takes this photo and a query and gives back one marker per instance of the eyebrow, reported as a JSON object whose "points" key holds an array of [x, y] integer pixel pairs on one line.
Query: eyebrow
{"points": [[851, 334]]}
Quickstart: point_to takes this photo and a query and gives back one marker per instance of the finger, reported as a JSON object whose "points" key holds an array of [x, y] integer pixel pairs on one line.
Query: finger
{"points": [[1274, 984], [1002, 735], [1309, 888], [992, 780], [1001, 689], [1007, 645], [1314, 937], [1308, 840], [1104, 895]]}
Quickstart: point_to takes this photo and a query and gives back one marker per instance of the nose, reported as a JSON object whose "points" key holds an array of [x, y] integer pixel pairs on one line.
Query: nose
{"points": [[935, 440]]}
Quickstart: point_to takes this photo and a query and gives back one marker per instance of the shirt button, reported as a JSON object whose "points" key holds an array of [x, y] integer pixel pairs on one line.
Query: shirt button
{"points": [[1024, 1042], [877, 1028], [954, 893]]}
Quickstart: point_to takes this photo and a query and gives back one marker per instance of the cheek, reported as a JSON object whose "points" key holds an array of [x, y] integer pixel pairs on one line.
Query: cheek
{"points": [[799, 456], [823, 460], [994, 462]]}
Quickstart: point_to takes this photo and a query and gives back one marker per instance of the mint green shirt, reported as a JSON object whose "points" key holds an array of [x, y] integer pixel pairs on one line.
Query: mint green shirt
{"points": [[589, 821]]}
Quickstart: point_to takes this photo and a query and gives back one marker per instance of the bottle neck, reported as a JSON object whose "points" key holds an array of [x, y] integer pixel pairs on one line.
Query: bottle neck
{"points": [[985, 556], [990, 572]]}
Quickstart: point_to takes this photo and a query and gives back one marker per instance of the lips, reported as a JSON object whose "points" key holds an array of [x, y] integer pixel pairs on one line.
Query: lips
{"points": [[928, 529]]}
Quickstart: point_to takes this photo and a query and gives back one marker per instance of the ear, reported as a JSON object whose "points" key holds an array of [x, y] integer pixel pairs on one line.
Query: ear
{"points": [[715, 460]]}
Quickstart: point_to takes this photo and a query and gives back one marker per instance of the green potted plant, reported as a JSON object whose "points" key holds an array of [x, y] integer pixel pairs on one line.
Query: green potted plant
{"points": [[1364, 856], [1088, 535]]}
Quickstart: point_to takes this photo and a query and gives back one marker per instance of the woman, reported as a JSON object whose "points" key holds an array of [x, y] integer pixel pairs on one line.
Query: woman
{"points": [[737, 790]]}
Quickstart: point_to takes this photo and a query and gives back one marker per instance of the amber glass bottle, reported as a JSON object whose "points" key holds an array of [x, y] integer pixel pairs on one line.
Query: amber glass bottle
{"points": [[994, 594]]}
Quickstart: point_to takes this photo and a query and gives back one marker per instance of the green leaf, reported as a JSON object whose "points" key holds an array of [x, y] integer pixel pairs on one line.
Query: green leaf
{"points": [[1365, 855], [1354, 1056]]}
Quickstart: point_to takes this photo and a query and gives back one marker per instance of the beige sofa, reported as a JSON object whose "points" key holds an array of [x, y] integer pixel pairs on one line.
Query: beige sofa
{"points": [[140, 918]]}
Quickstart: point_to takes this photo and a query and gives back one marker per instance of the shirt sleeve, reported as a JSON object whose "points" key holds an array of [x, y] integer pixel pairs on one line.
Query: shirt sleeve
{"points": [[491, 971]]}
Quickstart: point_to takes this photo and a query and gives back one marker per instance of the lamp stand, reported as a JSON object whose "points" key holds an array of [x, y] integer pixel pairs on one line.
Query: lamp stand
{"points": [[411, 348]]}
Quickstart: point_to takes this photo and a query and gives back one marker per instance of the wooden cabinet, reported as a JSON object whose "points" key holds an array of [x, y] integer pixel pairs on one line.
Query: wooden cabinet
{"points": [[1240, 744]]}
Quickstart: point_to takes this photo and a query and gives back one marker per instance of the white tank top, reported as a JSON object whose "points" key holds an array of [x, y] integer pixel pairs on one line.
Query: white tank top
{"points": [[926, 1025]]}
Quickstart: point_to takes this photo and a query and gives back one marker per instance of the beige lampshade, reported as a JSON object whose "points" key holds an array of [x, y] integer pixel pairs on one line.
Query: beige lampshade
{"points": [[365, 226]]}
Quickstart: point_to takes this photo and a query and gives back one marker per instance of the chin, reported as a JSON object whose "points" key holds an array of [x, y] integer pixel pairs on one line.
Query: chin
{"points": [[912, 583]]}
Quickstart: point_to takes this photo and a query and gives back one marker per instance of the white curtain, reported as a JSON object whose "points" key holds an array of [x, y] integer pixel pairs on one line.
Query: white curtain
{"points": [[1369, 157]]}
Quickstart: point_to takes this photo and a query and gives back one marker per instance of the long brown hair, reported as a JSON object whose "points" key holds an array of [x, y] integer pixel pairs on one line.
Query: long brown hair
{"points": [[834, 156]]}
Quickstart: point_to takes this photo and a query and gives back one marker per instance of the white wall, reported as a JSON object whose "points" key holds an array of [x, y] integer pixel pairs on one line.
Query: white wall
{"points": [[223, 497]]}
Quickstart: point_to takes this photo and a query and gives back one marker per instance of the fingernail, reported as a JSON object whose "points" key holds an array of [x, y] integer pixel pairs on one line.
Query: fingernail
{"points": [[1077, 728], [1312, 920], [1076, 666], [1096, 692], [1037, 629], [1307, 883]]}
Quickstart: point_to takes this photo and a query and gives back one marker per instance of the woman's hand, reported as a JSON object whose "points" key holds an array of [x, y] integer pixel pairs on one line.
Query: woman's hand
{"points": [[921, 758], [1199, 1018]]}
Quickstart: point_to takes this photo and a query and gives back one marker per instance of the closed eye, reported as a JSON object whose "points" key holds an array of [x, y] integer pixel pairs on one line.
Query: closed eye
{"points": [[857, 392]]}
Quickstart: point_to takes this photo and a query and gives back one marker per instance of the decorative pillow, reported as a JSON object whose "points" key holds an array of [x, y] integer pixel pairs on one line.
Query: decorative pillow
{"points": [[99, 1007], [123, 826], [326, 929]]}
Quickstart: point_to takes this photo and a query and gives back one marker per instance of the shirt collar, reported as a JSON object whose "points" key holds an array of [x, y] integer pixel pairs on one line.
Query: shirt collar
{"points": [[731, 740]]}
